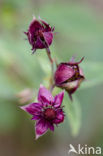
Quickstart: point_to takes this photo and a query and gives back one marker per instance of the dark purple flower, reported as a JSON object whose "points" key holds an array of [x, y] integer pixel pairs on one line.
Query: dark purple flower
{"points": [[69, 76], [40, 34], [47, 111]]}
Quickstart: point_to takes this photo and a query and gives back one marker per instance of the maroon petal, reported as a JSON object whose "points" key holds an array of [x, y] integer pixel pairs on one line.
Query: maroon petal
{"points": [[59, 117], [35, 25], [36, 117], [48, 36], [39, 44], [47, 27], [33, 108], [51, 126], [58, 99], [45, 96], [63, 73], [41, 128]]}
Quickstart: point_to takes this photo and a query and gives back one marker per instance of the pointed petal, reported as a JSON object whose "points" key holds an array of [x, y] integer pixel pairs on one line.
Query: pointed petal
{"points": [[41, 128], [58, 99], [59, 117], [51, 126], [33, 108], [36, 117], [44, 95]]}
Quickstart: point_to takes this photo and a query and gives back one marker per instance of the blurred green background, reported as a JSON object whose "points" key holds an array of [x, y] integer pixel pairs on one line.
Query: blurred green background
{"points": [[79, 24]]}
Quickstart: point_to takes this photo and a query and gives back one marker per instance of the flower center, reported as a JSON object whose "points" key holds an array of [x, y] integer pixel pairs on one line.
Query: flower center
{"points": [[49, 114]]}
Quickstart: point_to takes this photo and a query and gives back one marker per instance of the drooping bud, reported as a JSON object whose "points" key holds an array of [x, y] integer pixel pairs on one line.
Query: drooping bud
{"points": [[69, 76]]}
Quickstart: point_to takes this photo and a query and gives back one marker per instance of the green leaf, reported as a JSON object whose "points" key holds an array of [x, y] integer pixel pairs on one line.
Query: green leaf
{"points": [[73, 113]]}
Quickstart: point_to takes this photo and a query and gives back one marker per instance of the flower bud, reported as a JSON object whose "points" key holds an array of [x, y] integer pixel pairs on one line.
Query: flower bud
{"points": [[69, 76], [40, 34]]}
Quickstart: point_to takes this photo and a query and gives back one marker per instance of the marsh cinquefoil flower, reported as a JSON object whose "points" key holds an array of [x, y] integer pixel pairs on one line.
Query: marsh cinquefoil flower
{"points": [[40, 34], [68, 76], [47, 111]]}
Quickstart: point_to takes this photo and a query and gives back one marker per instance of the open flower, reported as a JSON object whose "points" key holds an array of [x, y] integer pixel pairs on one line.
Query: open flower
{"points": [[69, 76], [47, 111], [40, 34]]}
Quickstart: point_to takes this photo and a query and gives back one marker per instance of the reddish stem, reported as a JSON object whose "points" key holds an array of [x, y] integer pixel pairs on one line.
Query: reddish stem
{"points": [[52, 68]]}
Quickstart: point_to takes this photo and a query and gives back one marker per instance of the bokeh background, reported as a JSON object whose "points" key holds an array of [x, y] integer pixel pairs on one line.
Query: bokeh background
{"points": [[79, 27]]}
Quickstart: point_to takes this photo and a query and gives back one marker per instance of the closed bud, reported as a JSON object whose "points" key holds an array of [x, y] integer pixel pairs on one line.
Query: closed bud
{"points": [[40, 34], [69, 76]]}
